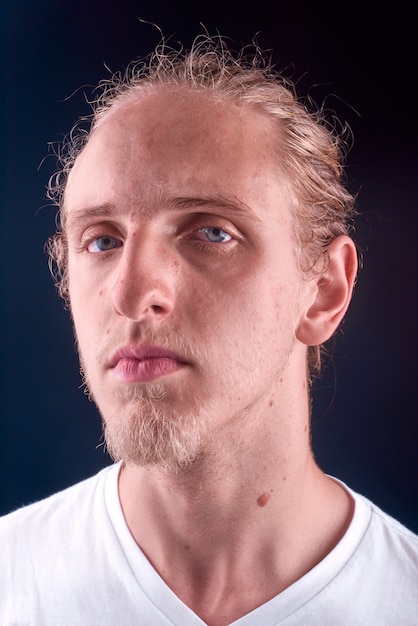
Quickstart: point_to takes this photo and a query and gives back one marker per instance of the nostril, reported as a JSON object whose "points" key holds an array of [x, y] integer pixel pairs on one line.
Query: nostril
{"points": [[156, 308]]}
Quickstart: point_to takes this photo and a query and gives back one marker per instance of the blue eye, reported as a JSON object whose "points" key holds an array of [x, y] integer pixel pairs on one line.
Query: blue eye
{"points": [[103, 244], [214, 234]]}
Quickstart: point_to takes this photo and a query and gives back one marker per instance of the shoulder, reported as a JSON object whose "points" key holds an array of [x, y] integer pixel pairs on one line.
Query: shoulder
{"points": [[378, 564], [31, 522], [383, 570], [55, 549], [394, 540], [372, 528], [371, 576]]}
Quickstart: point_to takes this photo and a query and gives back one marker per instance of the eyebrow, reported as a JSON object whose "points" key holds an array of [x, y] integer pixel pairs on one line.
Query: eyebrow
{"points": [[80, 216], [232, 204]]}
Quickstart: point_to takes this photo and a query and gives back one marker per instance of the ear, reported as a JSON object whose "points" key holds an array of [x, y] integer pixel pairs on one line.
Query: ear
{"points": [[332, 294]]}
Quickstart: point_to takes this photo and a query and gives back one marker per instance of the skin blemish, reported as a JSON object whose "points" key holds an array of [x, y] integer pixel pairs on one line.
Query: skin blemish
{"points": [[264, 499], [101, 292]]}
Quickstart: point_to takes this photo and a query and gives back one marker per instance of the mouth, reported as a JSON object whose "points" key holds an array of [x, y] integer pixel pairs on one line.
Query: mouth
{"points": [[143, 365]]}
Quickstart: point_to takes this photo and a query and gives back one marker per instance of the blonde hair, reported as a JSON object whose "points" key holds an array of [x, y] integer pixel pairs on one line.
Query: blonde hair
{"points": [[309, 152]]}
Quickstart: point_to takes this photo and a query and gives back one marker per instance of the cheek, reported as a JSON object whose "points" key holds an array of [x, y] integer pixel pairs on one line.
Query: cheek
{"points": [[265, 299], [86, 290], [88, 313], [252, 317]]}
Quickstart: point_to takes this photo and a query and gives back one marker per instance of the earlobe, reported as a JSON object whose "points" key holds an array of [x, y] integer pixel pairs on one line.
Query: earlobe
{"points": [[332, 295]]}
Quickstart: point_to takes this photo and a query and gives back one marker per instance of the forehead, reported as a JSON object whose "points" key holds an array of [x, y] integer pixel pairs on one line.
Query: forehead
{"points": [[180, 142]]}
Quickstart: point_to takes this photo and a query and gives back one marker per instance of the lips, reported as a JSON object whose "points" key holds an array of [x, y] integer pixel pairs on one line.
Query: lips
{"points": [[142, 365]]}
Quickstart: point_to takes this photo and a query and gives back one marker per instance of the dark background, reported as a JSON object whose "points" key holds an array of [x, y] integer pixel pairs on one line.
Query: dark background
{"points": [[361, 61]]}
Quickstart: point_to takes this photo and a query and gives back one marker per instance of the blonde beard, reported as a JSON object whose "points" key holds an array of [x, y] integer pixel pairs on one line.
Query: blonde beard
{"points": [[152, 434], [149, 432]]}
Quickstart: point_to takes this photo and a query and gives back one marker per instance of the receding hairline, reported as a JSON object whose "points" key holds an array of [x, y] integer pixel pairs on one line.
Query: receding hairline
{"points": [[119, 108]]}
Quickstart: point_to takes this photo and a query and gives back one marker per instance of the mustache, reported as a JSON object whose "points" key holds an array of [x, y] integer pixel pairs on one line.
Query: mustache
{"points": [[148, 334]]}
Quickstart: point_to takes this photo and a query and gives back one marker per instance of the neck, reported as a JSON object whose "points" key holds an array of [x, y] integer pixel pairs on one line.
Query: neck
{"points": [[255, 508]]}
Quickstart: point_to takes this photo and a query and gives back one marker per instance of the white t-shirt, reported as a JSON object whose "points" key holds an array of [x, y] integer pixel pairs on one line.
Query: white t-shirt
{"points": [[70, 560]]}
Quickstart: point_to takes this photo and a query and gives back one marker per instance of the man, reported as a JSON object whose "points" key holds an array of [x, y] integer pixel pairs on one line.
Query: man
{"points": [[205, 254]]}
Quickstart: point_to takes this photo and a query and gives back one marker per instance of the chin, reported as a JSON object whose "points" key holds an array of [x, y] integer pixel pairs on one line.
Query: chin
{"points": [[149, 433]]}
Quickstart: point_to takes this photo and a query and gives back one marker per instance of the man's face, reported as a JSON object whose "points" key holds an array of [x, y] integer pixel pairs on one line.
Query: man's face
{"points": [[184, 280]]}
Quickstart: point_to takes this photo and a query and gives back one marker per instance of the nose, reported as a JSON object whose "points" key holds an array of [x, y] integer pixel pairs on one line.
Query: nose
{"points": [[144, 288]]}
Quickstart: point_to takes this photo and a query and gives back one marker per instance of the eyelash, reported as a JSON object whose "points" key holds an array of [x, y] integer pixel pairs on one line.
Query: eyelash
{"points": [[201, 229], [109, 237], [202, 243]]}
